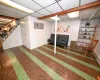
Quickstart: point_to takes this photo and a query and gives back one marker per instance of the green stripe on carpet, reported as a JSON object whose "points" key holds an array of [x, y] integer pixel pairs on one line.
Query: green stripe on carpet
{"points": [[48, 70], [76, 49], [75, 53], [73, 69], [77, 60], [21, 74]]}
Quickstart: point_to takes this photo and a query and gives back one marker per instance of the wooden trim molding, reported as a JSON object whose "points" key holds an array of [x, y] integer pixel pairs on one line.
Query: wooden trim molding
{"points": [[7, 17], [82, 7]]}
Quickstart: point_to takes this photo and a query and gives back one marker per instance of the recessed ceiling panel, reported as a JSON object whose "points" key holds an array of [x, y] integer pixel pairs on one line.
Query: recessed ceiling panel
{"points": [[54, 8], [68, 4], [85, 17], [98, 10], [62, 17], [12, 10], [64, 20], [87, 12], [6, 13], [49, 19], [44, 12], [86, 1], [76, 18], [36, 15], [97, 16], [45, 3], [28, 4]]}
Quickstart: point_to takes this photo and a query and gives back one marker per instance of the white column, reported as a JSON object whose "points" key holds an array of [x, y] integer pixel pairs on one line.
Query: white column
{"points": [[55, 36]]}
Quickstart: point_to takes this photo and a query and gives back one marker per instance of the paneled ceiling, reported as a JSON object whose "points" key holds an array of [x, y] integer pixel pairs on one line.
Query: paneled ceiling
{"points": [[46, 7]]}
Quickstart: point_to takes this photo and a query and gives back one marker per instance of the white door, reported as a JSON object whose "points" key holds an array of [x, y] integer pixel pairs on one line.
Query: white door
{"points": [[24, 39]]}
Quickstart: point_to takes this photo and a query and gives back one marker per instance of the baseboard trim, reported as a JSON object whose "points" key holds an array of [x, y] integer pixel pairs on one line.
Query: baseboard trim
{"points": [[98, 60]]}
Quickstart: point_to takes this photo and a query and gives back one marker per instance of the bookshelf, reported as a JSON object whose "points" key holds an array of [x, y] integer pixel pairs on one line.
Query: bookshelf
{"points": [[86, 35]]}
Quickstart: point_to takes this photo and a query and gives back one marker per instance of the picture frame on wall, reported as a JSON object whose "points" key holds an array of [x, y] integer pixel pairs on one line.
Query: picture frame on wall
{"points": [[38, 25]]}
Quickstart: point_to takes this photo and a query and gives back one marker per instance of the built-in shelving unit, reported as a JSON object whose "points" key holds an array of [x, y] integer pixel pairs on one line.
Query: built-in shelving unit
{"points": [[86, 35]]}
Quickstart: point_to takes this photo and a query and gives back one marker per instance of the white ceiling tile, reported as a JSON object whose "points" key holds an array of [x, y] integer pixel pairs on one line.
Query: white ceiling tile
{"points": [[54, 8], [45, 3], [76, 18], [87, 12], [36, 15], [12, 10], [44, 12], [85, 17], [68, 4], [28, 4], [64, 20], [50, 20], [6, 13], [86, 1], [62, 17], [98, 11], [97, 16]]}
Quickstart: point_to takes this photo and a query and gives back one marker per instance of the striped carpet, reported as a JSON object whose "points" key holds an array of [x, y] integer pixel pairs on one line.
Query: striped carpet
{"points": [[20, 63]]}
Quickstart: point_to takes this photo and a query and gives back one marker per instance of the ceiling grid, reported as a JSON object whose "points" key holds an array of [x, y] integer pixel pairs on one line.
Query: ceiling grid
{"points": [[44, 7]]}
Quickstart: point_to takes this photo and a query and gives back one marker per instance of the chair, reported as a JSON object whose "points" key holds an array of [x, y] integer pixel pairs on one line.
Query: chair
{"points": [[98, 78], [90, 47]]}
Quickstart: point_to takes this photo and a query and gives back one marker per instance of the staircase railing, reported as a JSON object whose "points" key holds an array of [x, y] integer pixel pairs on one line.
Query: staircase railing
{"points": [[8, 29]]}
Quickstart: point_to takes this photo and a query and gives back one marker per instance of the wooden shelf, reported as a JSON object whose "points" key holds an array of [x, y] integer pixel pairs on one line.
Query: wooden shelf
{"points": [[83, 42], [86, 38], [87, 34], [86, 31], [87, 27]]}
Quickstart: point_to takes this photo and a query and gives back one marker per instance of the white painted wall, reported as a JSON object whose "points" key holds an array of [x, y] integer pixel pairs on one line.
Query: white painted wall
{"points": [[24, 23], [33, 38], [13, 40], [97, 37], [38, 37], [73, 29]]}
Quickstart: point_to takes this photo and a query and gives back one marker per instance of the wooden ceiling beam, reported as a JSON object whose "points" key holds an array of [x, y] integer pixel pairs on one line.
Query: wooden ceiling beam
{"points": [[7, 17], [82, 7]]}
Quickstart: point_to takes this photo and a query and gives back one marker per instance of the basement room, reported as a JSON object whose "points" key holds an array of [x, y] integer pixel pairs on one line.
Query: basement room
{"points": [[49, 39]]}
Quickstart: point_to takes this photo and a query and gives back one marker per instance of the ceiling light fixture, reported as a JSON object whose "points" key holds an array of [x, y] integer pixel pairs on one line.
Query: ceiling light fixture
{"points": [[55, 18], [73, 14], [15, 5]]}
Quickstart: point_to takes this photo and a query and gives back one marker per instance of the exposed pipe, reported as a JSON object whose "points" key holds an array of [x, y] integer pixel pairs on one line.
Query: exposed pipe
{"points": [[94, 14]]}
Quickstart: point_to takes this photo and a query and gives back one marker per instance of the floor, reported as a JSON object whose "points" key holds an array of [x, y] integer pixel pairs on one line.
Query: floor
{"points": [[20, 63]]}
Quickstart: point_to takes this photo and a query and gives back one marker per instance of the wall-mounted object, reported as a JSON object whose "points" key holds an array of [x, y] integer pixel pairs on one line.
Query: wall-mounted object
{"points": [[38, 25], [62, 28]]}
